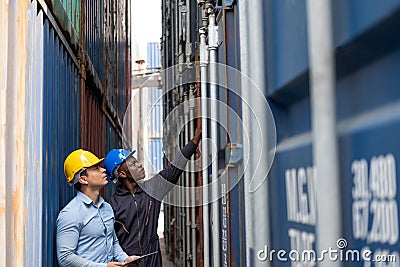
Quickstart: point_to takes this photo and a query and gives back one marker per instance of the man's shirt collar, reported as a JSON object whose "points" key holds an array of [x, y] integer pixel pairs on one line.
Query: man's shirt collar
{"points": [[85, 199]]}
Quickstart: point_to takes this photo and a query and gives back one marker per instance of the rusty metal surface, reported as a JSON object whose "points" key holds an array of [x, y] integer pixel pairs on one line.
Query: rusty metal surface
{"points": [[41, 120], [93, 127], [12, 186], [122, 71], [94, 34], [3, 117], [110, 53], [113, 140]]}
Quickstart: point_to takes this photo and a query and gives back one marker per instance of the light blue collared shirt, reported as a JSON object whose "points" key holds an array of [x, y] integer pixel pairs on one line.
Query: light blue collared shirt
{"points": [[85, 234]]}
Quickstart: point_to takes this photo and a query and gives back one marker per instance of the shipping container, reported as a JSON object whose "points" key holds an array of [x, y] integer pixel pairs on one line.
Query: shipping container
{"points": [[110, 51], [68, 15], [153, 56], [93, 124], [53, 102], [13, 207], [154, 122], [154, 119], [94, 33], [34, 142], [340, 193], [328, 96], [113, 140], [61, 132]]}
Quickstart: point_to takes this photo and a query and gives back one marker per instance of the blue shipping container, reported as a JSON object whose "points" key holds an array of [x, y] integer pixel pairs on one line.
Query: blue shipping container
{"points": [[61, 132], [94, 35]]}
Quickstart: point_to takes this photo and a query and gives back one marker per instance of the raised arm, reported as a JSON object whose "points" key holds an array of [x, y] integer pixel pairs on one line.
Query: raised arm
{"points": [[174, 169]]}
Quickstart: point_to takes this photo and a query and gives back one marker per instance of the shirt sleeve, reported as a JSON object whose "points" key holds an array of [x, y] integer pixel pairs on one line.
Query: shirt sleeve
{"points": [[160, 184], [119, 254], [67, 240], [174, 169]]}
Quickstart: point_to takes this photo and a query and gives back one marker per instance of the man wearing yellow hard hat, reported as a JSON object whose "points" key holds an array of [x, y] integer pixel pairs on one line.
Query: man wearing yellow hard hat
{"points": [[85, 226]]}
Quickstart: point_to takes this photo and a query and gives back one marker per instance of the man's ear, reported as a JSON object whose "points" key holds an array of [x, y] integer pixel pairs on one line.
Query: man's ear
{"points": [[122, 174], [83, 180]]}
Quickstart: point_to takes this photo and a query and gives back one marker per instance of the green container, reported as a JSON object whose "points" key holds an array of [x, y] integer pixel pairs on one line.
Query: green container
{"points": [[68, 15]]}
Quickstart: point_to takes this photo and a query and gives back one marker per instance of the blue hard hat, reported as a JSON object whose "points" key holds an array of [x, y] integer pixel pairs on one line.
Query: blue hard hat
{"points": [[114, 158]]}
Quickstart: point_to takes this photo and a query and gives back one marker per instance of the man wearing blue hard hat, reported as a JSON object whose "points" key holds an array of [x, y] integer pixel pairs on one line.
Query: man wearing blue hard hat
{"points": [[136, 202]]}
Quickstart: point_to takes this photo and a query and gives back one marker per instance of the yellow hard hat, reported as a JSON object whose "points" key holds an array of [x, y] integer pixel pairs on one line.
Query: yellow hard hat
{"points": [[77, 161]]}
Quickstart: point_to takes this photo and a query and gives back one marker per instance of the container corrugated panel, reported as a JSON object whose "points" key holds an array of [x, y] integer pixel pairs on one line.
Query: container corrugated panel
{"points": [[68, 15], [368, 112], [353, 18], [287, 56], [34, 139], [286, 23], [61, 132], [155, 113], [73, 9], [351, 32], [368, 123], [112, 138], [13, 116], [292, 176], [194, 23], [93, 128], [110, 51], [112, 141], [122, 90], [231, 214], [231, 226], [153, 56], [292, 180], [95, 35], [155, 156], [293, 203], [121, 31]]}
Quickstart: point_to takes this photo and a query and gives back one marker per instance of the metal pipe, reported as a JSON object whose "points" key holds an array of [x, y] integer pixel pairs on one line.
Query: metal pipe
{"points": [[167, 146], [204, 148], [188, 44], [192, 182], [167, 210], [244, 66], [181, 219], [187, 181], [175, 195], [212, 47], [259, 130], [325, 151], [181, 193]]}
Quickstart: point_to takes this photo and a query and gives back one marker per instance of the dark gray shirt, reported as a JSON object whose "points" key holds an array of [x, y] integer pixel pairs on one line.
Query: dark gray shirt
{"points": [[136, 215]]}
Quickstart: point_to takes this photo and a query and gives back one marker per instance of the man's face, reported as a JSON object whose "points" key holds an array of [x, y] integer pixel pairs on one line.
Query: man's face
{"points": [[135, 168], [96, 176]]}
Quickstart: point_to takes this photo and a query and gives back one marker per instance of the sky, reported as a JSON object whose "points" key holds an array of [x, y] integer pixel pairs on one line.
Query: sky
{"points": [[146, 27]]}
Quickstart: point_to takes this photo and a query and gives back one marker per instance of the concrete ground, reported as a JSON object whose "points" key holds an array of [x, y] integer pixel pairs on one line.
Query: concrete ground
{"points": [[166, 262], [160, 231]]}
